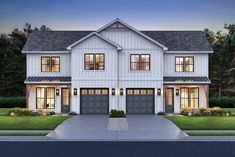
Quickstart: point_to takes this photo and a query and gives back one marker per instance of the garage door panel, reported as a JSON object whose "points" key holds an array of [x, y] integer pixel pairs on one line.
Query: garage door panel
{"points": [[140, 101], [94, 101]]}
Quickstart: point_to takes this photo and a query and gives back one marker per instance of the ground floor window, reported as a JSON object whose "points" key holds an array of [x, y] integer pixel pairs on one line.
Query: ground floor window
{"points": [[189, 97], [45, 98]]}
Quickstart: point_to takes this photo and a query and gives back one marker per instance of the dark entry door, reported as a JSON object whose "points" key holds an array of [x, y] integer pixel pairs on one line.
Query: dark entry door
{"points": [[65, 100], [169, 103]]}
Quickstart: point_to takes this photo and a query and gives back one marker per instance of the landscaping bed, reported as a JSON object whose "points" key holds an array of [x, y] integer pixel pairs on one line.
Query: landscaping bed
{"points": [[211, 134], [35, 122], [203, 122]]}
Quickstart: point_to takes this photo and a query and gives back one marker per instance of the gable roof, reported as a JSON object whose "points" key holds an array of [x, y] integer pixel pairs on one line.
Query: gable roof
{"points": [[117, 20], [53, 40], [169, 40], [181, 40], [98, 35]]}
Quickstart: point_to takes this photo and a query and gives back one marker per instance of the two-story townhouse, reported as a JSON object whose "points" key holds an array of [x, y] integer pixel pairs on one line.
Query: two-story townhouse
{"points": [[117, 67]]}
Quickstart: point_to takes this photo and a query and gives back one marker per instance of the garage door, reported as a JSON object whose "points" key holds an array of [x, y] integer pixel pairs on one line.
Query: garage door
{"points": [[140, 101], [94, 101]]}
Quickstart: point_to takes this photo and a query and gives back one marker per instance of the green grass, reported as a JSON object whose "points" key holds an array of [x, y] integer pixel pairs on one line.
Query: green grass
{"points": [[203, 123], [232, 110], [23, 134], [31, 122], [4, 111], [211, 134]]}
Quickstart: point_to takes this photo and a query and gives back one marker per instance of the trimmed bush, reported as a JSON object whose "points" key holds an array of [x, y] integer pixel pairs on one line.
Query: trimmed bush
{"points": [[196, 112], [117, 114], [27, 112], [11, 102], [72, 113], [224, 102], [161, 113]]}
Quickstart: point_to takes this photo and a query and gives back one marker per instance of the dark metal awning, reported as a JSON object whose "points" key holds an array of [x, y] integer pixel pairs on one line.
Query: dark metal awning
{"points": [[48, 80], [186, 80]]}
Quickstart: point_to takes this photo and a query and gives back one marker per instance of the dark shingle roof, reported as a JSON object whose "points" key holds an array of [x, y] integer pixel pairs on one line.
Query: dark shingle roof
{"points": [[48, 80], [204, 80], [53, 40], [174, 40], [181, 40]]}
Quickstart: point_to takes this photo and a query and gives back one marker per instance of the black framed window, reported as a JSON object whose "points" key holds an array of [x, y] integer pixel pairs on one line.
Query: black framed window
{"points": [[189, 97], [140, 61], [194, 97], [45, 64], [50, 64], [184, 64], [94, 61], [189, 64], [45, 98], [55, 64]]}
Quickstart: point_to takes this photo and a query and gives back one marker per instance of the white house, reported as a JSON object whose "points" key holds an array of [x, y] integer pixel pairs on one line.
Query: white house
{"points": [[117, 67]]}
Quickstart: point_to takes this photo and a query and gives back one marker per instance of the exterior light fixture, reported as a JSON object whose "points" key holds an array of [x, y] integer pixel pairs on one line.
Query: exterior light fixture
{"points": [[75, 91], [57, 92], [113, 91], [159, 91], [177, 92], [121, 91]]}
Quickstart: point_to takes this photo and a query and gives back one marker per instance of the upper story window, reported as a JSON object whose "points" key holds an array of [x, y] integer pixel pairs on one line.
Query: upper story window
{"points": [[140, 62], [50, 64], [184, 64], [94, 61]]}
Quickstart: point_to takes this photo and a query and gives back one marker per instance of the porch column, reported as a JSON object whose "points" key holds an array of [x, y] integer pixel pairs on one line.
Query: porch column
{"points": [[206, 89], [28, 89]]}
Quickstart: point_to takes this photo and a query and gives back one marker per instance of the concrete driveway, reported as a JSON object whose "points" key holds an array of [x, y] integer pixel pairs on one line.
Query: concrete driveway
{"points": [[133, 128]]}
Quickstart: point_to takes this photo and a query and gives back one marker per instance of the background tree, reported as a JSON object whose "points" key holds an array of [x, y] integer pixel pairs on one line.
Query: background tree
{"points": [[13, 61]]}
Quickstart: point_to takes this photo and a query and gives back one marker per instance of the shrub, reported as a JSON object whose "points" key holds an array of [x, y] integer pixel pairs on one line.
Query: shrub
{"points": [[196, 112], [72, 113], [20, 112], [11, 102], [224, 102], [52, 113], [185, 110], [117, 113], [161, 113], [202, 109], [27, 112], [206, 112]]}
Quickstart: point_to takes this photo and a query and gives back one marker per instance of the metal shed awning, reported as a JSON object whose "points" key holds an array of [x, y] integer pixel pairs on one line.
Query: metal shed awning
{"points": [[48, 80], [186, 80]]}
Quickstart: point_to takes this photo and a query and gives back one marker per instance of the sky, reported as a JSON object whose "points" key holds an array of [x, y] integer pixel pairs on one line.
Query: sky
{"points": [[93, 14]]}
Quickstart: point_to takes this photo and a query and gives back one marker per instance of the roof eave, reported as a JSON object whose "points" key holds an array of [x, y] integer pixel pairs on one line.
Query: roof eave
{"points": [[98, 35]]}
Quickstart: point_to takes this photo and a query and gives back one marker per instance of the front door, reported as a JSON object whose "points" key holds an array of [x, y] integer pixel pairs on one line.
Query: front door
{"points": [[65, 100], [169, 103]]}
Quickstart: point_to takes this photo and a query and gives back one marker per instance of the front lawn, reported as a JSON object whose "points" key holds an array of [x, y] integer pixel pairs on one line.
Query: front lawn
{"points": [[211, 134], [22, 134], [203, 123], [31, 122], [232, 110]]}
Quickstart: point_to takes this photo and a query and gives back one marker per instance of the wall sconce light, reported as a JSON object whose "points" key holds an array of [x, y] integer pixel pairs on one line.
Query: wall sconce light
{"points": [[159, 91], [57, 92], [113, 91], [177, 92], [75, 91], [121, 91]]}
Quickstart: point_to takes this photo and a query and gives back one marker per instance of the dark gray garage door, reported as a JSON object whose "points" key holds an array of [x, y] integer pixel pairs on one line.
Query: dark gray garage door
{"points": [[94, 101], [140, 101]]}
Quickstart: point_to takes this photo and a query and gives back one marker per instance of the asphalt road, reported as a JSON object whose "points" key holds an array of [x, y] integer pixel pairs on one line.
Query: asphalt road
{"points": [[117, 149]]}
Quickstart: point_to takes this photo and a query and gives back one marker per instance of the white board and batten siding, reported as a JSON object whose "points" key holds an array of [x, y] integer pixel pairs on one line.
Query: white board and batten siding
{"points": [[131, 43], [200, 65], [34, 64]]}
